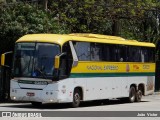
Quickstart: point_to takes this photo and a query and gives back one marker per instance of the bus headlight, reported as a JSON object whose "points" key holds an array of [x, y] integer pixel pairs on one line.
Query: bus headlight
{"points": [[13, 98], [51, 100]]}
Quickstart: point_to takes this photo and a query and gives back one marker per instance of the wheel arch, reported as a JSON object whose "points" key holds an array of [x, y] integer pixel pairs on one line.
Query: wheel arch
{"points": [[134, 85], [141, 87], [81, 91]]}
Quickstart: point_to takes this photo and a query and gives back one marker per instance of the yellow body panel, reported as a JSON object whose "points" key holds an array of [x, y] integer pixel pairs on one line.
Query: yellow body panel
{"points": [[113, 67], [61, 39]]}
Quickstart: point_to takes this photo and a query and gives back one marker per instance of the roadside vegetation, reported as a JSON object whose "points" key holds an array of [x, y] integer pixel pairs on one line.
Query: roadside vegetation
{"points": [[131, 19]]}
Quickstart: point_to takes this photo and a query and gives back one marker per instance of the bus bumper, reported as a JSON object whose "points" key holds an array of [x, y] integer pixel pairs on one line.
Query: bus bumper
{"points": [[44, 96]]}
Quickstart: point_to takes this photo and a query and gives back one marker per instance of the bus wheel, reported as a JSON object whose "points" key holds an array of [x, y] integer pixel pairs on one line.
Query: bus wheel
{"points": [[76, 98], [132, 95], [139, 96], [36, 104]]}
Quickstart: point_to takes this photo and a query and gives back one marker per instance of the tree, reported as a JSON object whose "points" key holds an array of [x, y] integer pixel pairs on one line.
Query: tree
{"points": [[82, 15], [130, 19], [19, 19], [139, 19], [127, 18]]}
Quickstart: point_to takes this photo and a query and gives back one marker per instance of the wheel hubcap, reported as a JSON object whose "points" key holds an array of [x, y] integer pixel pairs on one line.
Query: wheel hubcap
{"points": [[139, 95], [76, 98], [132, 96]]}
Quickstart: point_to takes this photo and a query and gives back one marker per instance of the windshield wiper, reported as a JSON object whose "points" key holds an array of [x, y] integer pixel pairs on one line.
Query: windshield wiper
{"points": [[40, 71]]}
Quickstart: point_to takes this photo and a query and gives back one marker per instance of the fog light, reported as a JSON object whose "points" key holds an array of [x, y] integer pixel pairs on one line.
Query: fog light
{"points": [[51, 93], [51, 100], [14, 98]]}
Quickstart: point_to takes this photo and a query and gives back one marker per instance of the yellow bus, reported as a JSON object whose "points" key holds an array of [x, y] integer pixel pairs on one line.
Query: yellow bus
{"points": [[70, 68]]}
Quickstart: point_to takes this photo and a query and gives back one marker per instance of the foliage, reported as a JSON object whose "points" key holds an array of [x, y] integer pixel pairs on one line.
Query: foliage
{"points": [[19, 19], [140, 20], [82, 15], [131, 19]]}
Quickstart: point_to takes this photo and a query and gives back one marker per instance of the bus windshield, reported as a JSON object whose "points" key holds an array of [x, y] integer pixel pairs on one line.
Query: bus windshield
{"points": [[34, 60]]}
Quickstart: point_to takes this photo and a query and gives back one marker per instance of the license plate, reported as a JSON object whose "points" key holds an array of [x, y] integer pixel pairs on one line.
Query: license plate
{"points": [[30, 94]]}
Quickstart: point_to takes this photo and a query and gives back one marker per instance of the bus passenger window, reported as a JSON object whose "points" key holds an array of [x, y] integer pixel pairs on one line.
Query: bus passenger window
{"points": [[105, 53], [151, 53], [144, 55], [123, 55], [96, 52], [83, 50], [147, 54], [134, 54]]}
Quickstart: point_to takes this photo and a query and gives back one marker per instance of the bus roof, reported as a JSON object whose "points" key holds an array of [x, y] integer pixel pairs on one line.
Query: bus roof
{"points": [[85, 37]]}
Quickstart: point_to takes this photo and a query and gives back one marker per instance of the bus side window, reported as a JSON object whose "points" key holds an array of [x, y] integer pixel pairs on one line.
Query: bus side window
{"points": [[151, 53], [147, 54], [123, 56], [113, 53], [105, 52], [96, 52], [134, 54], [144, 55], [83, 50]]}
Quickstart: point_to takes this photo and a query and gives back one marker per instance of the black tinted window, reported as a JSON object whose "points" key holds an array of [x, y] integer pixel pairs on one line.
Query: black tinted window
{"points": [[112, 52], [134, 54]]}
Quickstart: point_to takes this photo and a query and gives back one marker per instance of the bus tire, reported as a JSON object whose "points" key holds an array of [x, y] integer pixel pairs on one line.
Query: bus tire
{"points": [[76, 98], [36, 104], [132, 94], [139, 96]]}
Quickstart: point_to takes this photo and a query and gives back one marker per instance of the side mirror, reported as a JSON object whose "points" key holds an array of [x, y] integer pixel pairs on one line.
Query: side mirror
{"points": [[6, 59], [57, 62], [2, 59]]}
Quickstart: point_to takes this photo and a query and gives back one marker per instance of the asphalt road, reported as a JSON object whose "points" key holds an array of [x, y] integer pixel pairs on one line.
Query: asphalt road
{"points": [[95, 110]]}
